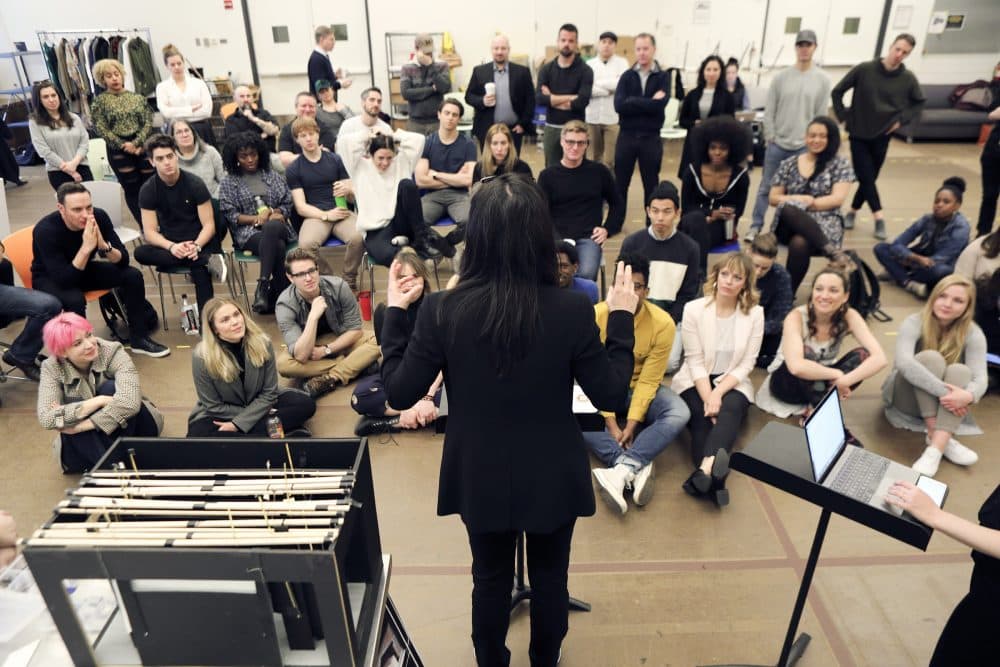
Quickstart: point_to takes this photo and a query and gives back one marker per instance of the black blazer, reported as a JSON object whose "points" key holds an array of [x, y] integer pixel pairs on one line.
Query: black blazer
{"points": [[320, 68], [522, 98], [514, 457], [722, 103]]}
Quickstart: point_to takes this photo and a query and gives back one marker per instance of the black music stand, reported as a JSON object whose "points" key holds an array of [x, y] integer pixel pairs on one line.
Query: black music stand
{"points": [[522, 592], [778, 456]]}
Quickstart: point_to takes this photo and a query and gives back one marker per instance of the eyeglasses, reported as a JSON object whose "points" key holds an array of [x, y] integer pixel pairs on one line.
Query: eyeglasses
{"points": [[576, 144], [305, 274]]}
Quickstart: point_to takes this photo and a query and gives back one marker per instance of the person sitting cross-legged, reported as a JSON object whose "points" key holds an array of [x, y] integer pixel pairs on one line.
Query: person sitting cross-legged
{"points": [[628, 452], [321, 324]]}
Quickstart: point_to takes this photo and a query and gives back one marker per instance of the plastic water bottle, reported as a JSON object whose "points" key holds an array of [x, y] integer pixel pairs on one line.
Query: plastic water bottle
{"points": [[258, 201], [189, 317], [274, 428]]}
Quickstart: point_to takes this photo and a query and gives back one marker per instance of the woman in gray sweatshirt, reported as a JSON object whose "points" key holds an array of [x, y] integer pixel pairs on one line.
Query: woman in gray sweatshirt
{"points": [[59, 136]]}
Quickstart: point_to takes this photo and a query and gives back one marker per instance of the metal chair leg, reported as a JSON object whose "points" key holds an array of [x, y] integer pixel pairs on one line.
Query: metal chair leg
{"points": [[173, 295], [163, 306]]}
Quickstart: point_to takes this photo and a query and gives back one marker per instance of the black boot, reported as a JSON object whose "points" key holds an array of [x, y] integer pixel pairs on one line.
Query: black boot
{"points": [[374, 425], [262, 297], [440, 243], [425, 249], [456, 236]]}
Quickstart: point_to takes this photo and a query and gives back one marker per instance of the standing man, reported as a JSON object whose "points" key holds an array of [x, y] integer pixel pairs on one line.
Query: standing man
{"points": [[564, 88], [797, 95], [886, 97], [320, 64], [602, 121], [246, 118], [371, 108], [640, 100], [305, 107], [317, 179], [445, 169], [577, 189], [423, 83], [512, 101]]}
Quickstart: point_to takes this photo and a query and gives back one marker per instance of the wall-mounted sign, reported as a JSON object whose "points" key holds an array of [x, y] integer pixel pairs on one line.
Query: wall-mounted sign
{"points": [[955, 22]]}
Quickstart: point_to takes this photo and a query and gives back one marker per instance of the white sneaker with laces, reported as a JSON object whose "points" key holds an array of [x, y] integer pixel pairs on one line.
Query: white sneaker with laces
{"points": [[918, 290], [958, 453], [642, 487], [612, 483], [928, 462]]}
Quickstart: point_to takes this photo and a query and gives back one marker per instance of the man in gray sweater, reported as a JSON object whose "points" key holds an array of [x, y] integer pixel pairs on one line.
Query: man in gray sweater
{"points": [[886, 96], [797, 95]]}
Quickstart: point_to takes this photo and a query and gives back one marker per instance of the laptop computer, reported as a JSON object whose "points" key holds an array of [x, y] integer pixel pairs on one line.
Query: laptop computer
{"points": [[852, 471]]}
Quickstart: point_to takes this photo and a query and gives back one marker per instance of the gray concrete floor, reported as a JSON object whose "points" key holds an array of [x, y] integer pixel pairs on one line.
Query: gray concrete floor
{"points": [[675, 583]]}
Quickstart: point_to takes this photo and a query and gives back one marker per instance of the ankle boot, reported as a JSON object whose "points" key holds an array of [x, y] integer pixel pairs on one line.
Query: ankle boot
{"points": [[262, 297]]}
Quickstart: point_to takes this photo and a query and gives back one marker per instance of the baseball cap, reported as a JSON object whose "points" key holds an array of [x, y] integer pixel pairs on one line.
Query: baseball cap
{"points": [[607, 34], [806, 36], [323, 84]]}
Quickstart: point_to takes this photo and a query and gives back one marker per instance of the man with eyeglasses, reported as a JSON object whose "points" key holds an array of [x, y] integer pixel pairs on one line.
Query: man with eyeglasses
{"points": [[656, 415], [577, 189], [320, 321]]}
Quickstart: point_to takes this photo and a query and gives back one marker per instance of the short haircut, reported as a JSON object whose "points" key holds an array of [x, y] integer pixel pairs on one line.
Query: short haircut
{"points": [[665, 190], [906, 37], [71, 188], [304, 93], [652, 40], [104, 67], [368, 91], [423, 41], [451, 100], [573, 127], [159, 141], [300, 255], [568, 249], [58, 333], [302, 125], [569, 27], [607, 34], [765, 245], [639, 263], [322, 31]]}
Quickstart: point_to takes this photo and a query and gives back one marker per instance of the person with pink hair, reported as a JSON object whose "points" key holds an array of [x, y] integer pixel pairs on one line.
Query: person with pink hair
{"points": [[89, 392]]}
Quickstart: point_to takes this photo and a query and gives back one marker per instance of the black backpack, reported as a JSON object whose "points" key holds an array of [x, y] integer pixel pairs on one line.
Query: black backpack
{"points": [[865, 290], [114, 316]]}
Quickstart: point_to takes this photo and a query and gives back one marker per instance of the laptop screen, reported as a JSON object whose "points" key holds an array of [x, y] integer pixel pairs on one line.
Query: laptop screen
{"points": [[825, 434]]}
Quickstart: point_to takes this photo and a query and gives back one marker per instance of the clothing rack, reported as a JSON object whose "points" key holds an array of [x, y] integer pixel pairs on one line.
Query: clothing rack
{"points": [[94, 31]]}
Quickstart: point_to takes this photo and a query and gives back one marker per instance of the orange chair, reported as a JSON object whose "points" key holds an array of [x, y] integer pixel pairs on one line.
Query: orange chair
{"points": [[20, 254], [227, 110]]}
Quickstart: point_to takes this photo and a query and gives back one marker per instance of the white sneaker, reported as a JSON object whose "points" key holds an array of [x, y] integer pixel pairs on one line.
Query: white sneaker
{"points": [[399, 241], [642, 487], [217, 267], [918, 290], [958, 453], [928, 462], [612, 483], [751, 235]]}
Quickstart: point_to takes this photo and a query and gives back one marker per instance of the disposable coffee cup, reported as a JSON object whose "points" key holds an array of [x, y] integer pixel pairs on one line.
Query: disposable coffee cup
{"points": [[491, 88]]}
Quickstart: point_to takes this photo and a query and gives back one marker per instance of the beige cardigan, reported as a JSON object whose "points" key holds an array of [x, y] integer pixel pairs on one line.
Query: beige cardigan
{"points": [[699, 337]]}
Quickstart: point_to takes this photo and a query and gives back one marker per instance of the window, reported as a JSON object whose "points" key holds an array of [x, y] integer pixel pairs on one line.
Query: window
{"points": [[280, 34], [851, 25], [793, 24]]}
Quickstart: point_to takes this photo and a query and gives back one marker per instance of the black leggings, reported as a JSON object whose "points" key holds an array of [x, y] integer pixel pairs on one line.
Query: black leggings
{"points": [[804, 238], [132, 171], [269, 245], [868, 156], [408, 221], [57, 178], [790, 389], [990, 163], [708, 438], [294, 408]]}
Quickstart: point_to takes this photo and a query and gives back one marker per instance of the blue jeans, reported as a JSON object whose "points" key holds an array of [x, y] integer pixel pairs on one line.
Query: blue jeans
{"points": [[590, 258], [772, 158], [16, 302], [666, 417], [891, 257]]}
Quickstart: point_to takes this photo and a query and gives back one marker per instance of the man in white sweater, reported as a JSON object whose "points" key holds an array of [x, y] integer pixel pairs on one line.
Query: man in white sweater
{"points": [[602, 121]]}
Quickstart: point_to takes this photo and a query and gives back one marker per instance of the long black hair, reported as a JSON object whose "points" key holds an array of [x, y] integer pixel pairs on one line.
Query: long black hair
{"points": [[832, 144], [509, 253], [722, 72], [241, 141], [41, 114]]}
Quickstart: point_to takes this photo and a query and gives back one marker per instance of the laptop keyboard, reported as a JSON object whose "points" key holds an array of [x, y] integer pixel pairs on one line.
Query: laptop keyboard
{"points": [[860, 475]]}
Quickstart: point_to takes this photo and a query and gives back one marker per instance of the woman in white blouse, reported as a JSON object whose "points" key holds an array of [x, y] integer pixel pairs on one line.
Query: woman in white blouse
{"points": [[722, 333], [185, 97]]}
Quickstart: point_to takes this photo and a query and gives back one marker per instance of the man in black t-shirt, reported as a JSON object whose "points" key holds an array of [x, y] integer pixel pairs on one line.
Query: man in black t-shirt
{"points": [[177, 219]]}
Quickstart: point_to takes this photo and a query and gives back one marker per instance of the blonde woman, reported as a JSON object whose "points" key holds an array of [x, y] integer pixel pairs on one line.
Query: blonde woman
{"points": [[722, 333], [236, 379], [124, 120], [938, 373], [499, 155], [184, 97]]}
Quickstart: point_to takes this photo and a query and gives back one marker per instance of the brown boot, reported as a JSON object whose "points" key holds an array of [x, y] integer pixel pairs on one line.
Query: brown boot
{"points": [[320, 385]]}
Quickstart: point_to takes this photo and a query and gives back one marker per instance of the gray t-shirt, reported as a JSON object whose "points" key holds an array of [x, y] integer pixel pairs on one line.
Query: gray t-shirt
{"points": [[705, 103], [793, 99], [255, 183]]}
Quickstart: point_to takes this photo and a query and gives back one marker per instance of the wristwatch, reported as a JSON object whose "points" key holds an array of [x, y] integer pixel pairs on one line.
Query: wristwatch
{"points": [[198, 248], [329, 352]]}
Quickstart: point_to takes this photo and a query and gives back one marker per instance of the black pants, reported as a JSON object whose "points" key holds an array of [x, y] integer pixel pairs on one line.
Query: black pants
{"points": [[57, 178], [294, 408], [868, 156], [969, 637], [990, 163], [132, 171], [408, 221], [103, 275], [768, 348], [804, 238], [707, 234], [790, 389], [81, 451], [492, 574], [647, 149], [708, 438], [163, 258], [269, 244]]}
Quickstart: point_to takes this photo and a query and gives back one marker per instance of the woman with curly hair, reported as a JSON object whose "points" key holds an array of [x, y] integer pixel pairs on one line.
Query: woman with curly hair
{"points": [[808, 191], [809, 360], [256, 204], [499, 155], [715, 184]]}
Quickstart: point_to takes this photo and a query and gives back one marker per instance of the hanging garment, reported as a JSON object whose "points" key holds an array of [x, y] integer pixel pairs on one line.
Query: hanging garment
{"points": [[100, 49], [144, 72], [116, 47], [80, 90], [62, 72], [81, 61], [127, 64], [52, 66]]}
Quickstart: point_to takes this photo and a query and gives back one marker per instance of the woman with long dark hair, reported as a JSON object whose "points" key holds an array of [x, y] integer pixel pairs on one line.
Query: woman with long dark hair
{"points": [[706, 100], [59, 136], [255, 203], [510, 343], [808, 191]]}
